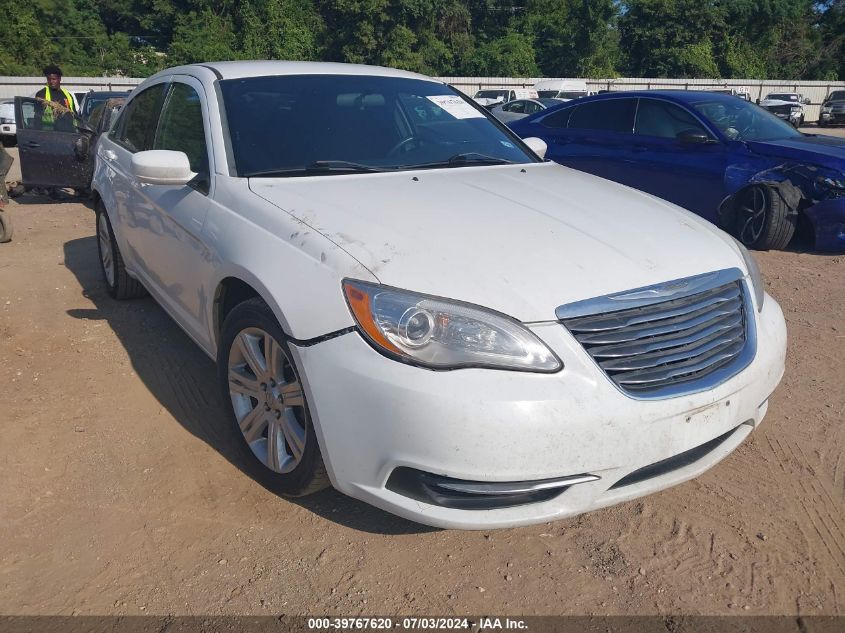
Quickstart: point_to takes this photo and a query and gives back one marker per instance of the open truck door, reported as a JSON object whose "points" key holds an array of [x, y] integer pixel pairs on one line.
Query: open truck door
{"points": [[53, 150]]}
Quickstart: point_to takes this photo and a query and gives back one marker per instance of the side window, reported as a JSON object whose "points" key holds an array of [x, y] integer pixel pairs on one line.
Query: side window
{"points": [[38, 114], [609, 115], [664, 120], [515, 106], [181, 127], [558, 119], [137, 124], [531, 107]]}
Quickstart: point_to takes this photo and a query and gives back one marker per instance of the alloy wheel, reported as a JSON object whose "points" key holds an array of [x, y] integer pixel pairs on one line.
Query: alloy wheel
{"points": [[752, 211], [267, 400]]}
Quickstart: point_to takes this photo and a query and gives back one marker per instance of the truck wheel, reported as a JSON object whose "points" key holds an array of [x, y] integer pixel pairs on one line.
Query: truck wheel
{"points": [[763, 219]]}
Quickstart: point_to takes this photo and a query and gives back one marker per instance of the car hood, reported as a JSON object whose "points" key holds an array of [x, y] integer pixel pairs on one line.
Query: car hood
{"points": [[778, 102], [827, 151], [521, 239]]}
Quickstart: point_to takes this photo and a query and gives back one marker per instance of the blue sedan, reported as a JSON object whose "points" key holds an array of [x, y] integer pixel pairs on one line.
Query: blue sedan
{"points": [[723, 158]]}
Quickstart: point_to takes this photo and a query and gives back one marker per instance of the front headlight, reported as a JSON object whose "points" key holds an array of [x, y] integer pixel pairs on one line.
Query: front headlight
{"points": [[827, 109], [753, 275], [444, 334]]}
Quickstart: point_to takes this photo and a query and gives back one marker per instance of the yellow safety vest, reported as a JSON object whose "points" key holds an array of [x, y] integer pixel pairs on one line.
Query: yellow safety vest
{"points": [[47, 117]]}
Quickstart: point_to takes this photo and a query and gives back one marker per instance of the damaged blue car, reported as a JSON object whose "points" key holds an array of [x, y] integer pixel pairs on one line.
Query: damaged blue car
{"points": [[723, 158]]}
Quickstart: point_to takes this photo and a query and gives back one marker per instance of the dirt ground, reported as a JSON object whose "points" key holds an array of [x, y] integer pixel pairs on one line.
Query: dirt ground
{"points": [[117, 495]]}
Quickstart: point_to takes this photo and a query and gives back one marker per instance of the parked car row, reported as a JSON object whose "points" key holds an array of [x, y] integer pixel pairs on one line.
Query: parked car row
{"points": [[406, 301]]}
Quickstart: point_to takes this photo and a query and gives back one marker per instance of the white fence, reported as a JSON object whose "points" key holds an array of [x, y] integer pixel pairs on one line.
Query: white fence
{"points": [[815, 90], [28, 86]]}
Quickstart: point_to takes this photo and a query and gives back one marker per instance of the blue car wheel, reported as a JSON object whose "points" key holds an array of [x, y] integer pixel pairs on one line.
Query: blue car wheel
{"points": [[764, 221]]}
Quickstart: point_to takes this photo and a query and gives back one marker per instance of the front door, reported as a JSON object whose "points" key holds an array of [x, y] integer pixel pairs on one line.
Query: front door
{"points": [[689, 175], [52, 150], [175, 257]]}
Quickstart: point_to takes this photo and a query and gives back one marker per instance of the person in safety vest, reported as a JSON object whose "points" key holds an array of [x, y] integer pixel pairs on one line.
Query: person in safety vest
{"points": [[59, 118]]}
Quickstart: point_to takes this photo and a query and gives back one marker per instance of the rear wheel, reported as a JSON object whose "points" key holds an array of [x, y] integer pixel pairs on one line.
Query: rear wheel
{"points": [[118, 282], [763, 220], [271, 423]]}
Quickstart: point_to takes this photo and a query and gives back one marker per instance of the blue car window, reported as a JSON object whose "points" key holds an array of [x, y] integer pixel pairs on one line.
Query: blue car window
{"points": [[742, 121], [558, 119], [664, 119], [609, 115]]}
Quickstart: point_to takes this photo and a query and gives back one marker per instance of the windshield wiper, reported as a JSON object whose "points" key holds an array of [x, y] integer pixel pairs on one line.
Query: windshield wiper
{"points": [[465, 158], [317, 167]]}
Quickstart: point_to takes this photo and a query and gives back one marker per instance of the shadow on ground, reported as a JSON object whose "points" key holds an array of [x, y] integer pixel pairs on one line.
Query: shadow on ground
{"points": [[184, 381]]}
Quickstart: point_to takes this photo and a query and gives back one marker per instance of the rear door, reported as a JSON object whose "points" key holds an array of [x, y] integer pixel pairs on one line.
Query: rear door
{"points": [[597, 138], [53, 152]]}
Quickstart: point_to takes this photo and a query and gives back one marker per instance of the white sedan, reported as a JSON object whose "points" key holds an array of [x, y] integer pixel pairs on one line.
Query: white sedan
{"points": [[521, 108], [405, 301]]}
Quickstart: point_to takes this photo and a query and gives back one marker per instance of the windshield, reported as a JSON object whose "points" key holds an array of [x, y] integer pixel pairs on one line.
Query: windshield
{"points": [[492, 94], [838, 95], [782, 97], [329, 124], [95, 99], [743, 121], [562, 94]]}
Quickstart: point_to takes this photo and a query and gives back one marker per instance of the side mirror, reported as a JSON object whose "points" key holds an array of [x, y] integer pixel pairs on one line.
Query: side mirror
{"points": [[693, 137], [807, 101], [162, 167], [536, 145], [81, 147]]}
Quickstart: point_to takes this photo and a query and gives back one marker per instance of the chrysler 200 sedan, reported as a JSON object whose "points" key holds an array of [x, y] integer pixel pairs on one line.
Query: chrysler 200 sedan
{"points": [[404, 301]]}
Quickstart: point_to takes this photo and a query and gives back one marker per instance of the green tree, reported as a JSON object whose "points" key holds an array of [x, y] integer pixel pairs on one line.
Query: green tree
{"points": [[280, 29], [574, 38], [202, 37]]}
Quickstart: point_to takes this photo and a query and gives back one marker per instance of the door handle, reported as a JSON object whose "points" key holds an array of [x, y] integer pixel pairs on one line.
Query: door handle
{"points": [[33, 144], [109, 155]]}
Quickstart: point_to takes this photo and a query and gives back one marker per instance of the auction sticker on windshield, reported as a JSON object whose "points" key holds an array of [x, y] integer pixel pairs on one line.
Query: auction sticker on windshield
{"points": [[456, 106]]}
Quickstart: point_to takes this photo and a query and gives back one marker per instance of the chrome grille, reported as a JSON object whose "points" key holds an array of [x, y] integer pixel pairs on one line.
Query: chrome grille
{"points": [[669, 346], [780, 109]]}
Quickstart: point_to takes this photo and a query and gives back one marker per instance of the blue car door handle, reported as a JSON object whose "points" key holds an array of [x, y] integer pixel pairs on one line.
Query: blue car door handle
{"points": [[33, 144]]}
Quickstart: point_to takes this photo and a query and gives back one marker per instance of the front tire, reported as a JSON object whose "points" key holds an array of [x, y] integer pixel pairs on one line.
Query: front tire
{"points": [[763, 220], [271, 423], [118, 282]]}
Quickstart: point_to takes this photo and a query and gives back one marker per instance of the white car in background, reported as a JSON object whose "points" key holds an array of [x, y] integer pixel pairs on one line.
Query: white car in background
{"points": [[491, 96], [405, 301], [521, 108], [564, 89], [788, 106], [8, 129]]}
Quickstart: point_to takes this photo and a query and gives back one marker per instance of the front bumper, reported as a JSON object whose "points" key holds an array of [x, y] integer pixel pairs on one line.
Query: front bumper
{"points": [[828, 220], [374, 415], [832, 118]]}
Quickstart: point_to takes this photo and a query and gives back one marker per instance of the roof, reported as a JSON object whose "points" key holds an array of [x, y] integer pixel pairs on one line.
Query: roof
{"points": [[682, 96], [264, 68]]}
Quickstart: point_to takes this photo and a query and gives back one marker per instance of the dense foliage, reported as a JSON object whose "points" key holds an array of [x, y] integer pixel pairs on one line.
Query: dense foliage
{"points": [[789, 39]]}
